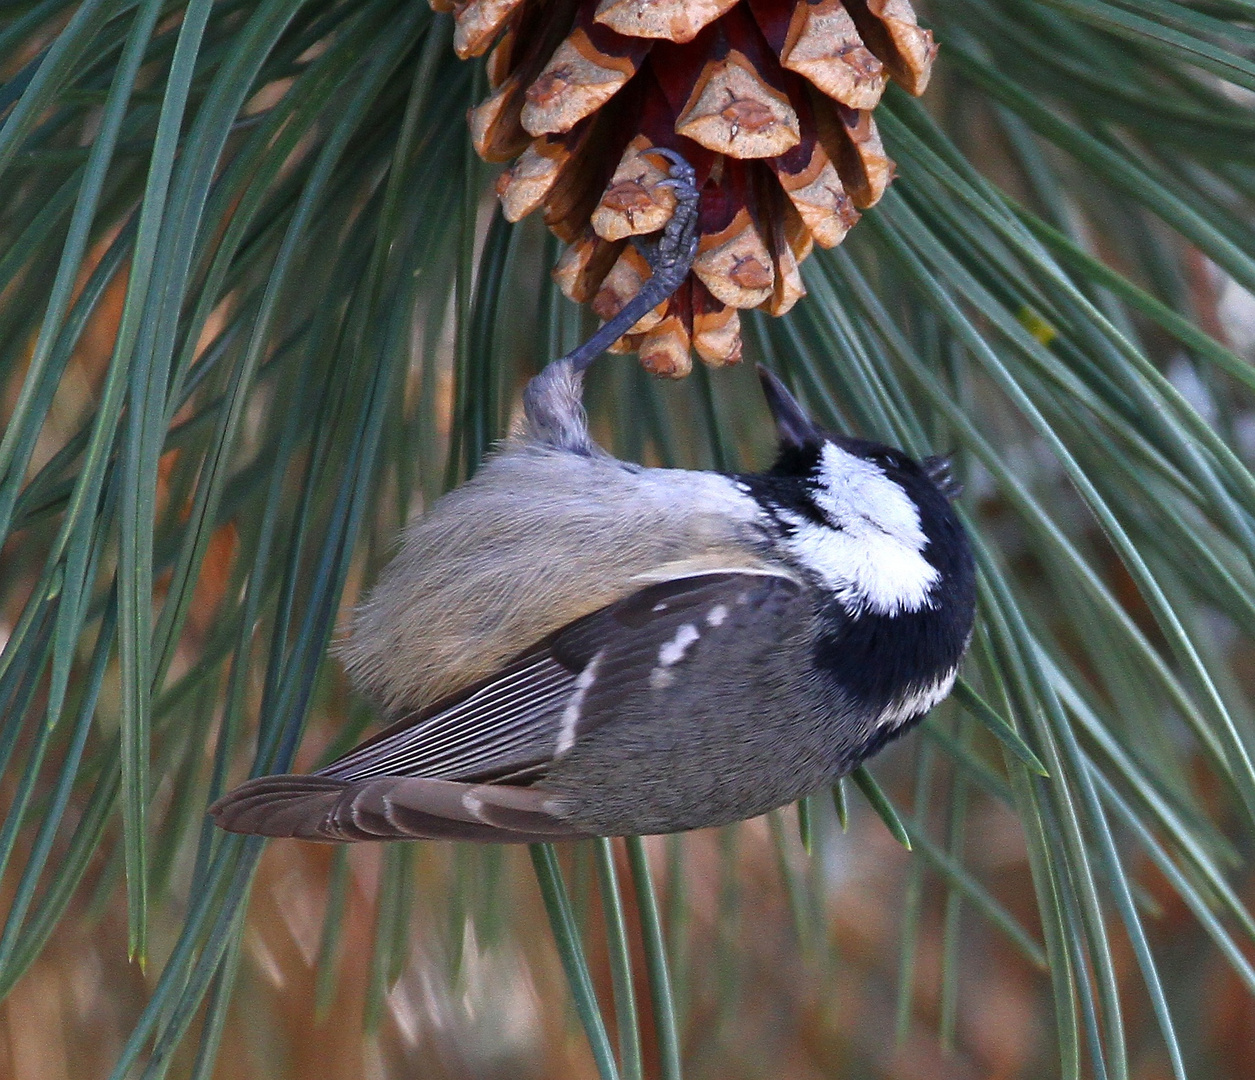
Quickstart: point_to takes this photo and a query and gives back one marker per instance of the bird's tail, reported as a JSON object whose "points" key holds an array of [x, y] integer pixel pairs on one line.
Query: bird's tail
{"points": [[389, 808]]}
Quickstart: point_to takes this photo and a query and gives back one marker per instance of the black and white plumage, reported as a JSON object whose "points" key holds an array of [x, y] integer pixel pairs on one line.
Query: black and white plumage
{"points": [[570, 645]]}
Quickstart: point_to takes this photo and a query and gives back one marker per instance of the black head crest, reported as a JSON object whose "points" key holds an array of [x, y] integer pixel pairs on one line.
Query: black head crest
{"points": [[793, 426]]}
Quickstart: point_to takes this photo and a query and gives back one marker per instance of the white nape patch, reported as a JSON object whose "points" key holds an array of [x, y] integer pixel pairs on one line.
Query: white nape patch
{"points": [[473, 804], [870, 555], [717, 614], [571, 714], [673, 651], [910, 705]]}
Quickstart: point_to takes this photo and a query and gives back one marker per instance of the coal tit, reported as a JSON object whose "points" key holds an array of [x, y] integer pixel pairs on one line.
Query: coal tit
{"points": [[570, 645]]}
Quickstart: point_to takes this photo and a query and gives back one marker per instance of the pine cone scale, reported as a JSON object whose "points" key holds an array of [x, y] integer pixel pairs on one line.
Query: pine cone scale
{"points": [[770, 100], [478, 25], [734, 263], [733, 111], [670, 20], [633, 204], [823, 45], [818, 196], [889, 29], [716, 331]]}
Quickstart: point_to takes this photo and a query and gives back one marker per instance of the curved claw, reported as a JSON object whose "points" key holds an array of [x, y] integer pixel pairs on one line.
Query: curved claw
{"points": [[680, 168], [670, 260]]}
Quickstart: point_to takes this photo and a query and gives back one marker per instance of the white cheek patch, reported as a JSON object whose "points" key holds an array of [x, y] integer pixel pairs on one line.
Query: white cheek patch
{"points": [[871, 555]]}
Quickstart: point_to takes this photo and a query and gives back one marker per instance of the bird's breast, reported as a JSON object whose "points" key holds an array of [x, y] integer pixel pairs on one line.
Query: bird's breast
{"points": [[894, 667]]}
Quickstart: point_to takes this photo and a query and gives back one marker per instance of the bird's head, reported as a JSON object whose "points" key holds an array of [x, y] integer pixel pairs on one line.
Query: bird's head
{"points": [[869, 521]]}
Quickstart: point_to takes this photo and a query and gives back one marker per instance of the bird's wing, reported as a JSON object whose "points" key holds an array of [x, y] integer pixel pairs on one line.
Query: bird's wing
{"points": [[533, 710], [495, 728], [460, 768]]}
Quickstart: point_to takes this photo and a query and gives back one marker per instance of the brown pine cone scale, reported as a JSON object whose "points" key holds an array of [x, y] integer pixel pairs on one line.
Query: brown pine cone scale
{"points": [[770, 100]]}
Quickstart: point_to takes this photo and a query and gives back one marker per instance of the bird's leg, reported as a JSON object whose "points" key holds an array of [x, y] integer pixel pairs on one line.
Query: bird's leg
{"points": [[669, 259], [553, 400]]}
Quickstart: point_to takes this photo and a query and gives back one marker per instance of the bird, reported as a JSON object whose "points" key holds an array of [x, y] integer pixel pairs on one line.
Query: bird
{"points": [[569, 645]]}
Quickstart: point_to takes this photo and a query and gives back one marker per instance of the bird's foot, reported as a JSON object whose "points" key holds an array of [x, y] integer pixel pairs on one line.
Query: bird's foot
{"points": [[670, 258]]}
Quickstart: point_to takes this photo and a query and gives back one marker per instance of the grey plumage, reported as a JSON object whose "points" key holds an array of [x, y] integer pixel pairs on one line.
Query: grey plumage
{"points": [[570, 645], [458, 600]]}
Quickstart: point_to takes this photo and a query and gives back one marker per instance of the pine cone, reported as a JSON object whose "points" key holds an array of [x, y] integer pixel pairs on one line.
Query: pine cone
{"points": [[771, 101]]}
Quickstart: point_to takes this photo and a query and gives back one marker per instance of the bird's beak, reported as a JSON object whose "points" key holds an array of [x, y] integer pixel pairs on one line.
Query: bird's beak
{"points": [[793, 426]]}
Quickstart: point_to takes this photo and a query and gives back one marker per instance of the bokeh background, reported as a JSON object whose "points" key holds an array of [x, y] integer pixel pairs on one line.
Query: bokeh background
{"points": [[257, 307]]}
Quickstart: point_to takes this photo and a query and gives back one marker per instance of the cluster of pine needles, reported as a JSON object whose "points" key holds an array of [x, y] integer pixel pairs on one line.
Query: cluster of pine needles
{"points": [[258, 305]]}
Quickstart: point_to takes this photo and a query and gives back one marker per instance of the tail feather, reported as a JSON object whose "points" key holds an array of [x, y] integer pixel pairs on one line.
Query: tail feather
{"points": [[297, 806], [389, 808]]}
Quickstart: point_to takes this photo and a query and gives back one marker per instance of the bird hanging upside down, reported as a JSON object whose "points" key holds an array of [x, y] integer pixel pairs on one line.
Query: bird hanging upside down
{"points": [[570, 645]]}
